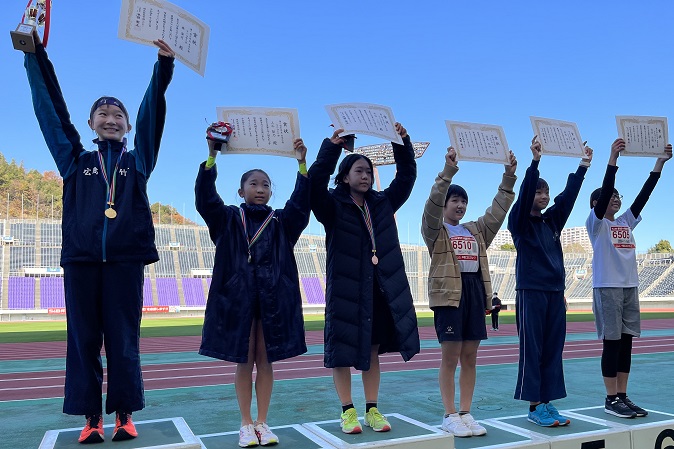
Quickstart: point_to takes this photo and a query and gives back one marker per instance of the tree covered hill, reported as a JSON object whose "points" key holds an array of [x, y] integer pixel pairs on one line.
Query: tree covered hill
{"points": [[29, 194]]}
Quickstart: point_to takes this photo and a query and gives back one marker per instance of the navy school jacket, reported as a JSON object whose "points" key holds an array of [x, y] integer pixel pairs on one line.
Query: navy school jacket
{"points": [[540, 261], [268, 284], [88, 235]]}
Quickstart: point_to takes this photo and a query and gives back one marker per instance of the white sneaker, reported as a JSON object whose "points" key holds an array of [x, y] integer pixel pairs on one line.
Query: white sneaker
{"points": [[475, 428], [264, 435], [247, 436], [454, 424]]}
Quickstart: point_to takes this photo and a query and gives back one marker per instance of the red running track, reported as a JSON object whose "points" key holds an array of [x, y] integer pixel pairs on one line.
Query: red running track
{"points": [[49, 384]]}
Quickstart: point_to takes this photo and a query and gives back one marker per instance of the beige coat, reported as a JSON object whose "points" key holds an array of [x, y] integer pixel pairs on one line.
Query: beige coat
{"points": [[444, 277]]}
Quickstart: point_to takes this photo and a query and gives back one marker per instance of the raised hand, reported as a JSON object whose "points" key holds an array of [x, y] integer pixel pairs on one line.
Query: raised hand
{"points": [[660, 162], [450, 157], [400, 129], [300, 151], [536, 148], [587, 159], [164, 49], [213, 147], [510, 169], [336, 139]]}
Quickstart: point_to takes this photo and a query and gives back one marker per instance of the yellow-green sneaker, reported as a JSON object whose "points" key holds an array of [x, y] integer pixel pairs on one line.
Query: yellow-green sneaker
{"points": [[377, 421], [350, 423]]}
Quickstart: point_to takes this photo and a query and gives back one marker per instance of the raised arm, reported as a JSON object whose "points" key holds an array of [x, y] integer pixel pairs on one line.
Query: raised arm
{"points": [[495, 215], [322, 203], [209, 204], [519, 214], [152, 111], [406, 170], [432, 218], [649, 185], [608, 184], [297, 209], [51, 111], [563, 204]]}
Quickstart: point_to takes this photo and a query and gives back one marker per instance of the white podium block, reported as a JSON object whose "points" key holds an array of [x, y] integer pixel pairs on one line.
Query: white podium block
{"points": [[171, 433], [582, 433], [293, 436], [502, 437], [406, 433], [613, 439], [653, 431]]}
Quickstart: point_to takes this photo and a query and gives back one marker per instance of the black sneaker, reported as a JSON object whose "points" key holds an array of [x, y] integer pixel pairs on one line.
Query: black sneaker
{"points": [[634, 407], [616, 407]]}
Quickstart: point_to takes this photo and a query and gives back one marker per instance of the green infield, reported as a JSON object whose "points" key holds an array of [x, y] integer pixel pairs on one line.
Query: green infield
{"points": [[35, 331]]}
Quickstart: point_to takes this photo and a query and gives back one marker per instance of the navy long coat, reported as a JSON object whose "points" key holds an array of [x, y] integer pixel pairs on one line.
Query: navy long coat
{"points": [[269, 283], [350, 272]]}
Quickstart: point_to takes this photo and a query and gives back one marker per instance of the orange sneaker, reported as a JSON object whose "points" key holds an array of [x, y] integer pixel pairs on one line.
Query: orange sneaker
{"points": [[124, 428], [93, 430]]}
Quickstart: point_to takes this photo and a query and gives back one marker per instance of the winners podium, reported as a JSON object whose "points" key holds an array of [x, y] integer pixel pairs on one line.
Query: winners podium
{"points": [[590, 428], [171, 433]]}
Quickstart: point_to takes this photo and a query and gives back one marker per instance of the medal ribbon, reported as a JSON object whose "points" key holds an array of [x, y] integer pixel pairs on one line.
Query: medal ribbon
{"points": [[258, 233], [111, 188], [365, 211]]}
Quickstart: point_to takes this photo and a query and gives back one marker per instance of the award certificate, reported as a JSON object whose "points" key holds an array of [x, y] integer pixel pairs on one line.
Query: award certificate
{"points": [[644, 136], [478, 142], [143, 21], [364, 118], [261, 130]]}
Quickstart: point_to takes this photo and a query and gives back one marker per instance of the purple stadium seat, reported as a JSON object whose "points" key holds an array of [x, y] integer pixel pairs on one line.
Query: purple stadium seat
{"points": [[51, 293], [193, 289], [167, 292], [147, 293], [21, 292], [314, 291]]}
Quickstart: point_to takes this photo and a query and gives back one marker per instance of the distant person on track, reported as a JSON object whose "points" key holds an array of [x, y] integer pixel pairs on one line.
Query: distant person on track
{"points": [[459, 283], [540, 277], [495, 310], [369, 309], [108, 238], [254, 310], [615, 280]]}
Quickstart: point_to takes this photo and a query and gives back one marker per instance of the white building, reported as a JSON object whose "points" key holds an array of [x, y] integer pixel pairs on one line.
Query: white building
{"points": [[569, 236]]}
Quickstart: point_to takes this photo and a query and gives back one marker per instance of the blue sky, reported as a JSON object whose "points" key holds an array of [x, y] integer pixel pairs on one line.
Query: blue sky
{"points": [[479, 61]]}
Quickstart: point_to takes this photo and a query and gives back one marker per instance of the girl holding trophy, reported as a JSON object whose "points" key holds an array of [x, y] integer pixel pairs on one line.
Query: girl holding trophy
{"points": [[108, 238], [254, 309]]}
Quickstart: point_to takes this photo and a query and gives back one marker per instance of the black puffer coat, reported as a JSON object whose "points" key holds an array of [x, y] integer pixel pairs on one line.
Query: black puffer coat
{"points": [[270, 282], [350, 272]]}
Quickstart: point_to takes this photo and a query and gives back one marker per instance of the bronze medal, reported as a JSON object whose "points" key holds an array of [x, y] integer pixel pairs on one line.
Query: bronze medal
{"points": [[375, 260], [110, 212]]}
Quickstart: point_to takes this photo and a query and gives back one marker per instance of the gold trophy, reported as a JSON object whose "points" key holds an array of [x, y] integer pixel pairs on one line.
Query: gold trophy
{"points": [[36, 17]]}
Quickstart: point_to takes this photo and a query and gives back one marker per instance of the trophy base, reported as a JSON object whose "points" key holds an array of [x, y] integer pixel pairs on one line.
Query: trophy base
{"points": [[23, 38]]}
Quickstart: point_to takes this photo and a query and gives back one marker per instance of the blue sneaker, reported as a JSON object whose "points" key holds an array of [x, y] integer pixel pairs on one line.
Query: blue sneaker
{"points": [[554, 413], [541, 417]]}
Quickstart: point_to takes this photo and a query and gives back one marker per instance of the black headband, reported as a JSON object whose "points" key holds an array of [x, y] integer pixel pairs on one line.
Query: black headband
{"points": [[109, 101]]}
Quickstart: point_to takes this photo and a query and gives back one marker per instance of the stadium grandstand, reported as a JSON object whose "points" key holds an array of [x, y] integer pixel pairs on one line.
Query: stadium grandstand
{"points": [[32, 281]]}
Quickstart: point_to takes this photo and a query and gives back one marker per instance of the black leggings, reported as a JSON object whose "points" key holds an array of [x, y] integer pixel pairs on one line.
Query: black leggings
{"points": [[616, 356]]}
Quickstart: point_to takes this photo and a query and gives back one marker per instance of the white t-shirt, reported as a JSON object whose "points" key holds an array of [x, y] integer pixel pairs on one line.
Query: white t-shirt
{"points": [[614, 262], [465, 248]]}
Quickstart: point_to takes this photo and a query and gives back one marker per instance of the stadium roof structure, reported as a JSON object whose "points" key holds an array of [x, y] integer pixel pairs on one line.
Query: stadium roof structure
{"points": [[382, 153]]}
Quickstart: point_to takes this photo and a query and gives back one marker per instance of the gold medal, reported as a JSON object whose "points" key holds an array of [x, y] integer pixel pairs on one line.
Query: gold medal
{"points": [[375, 260], [110, 212]]}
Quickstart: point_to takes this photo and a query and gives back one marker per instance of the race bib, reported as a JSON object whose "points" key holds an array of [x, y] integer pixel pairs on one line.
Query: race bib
{"points": [[621, 237], [465, 248]]}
